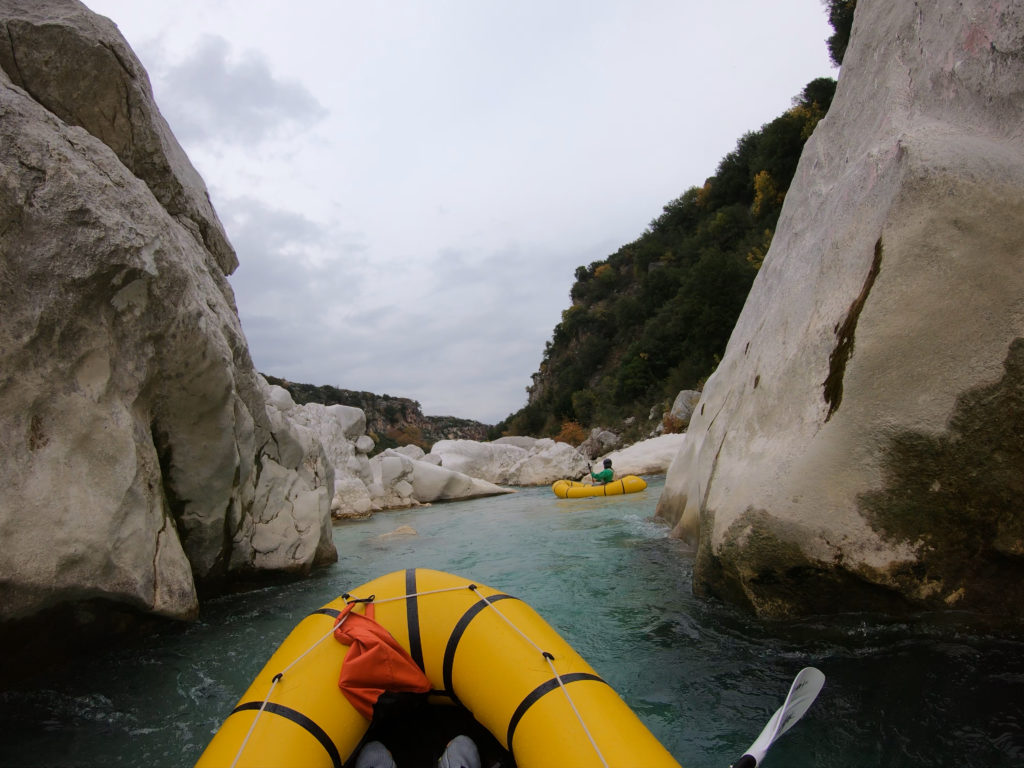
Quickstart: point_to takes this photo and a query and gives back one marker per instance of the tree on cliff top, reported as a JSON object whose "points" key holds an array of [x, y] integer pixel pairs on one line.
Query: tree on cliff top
{"points": [[653, 317], [840, 16]]}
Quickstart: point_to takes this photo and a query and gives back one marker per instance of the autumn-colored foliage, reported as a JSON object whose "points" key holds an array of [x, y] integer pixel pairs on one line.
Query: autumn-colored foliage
{"points": [[766, 194], [670, 425], [572, 433], [408, 435], [757, 252]]}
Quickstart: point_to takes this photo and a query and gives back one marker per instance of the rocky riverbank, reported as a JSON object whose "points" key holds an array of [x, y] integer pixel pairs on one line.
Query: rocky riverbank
{"points": [[454, 469]]}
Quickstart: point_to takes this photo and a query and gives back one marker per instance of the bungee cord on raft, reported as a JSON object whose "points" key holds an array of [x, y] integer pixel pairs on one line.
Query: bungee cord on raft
{"points": [[372, 599], [548, 657], [273, 684]]}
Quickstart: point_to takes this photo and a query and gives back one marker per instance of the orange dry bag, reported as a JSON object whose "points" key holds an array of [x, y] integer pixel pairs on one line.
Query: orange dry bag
{"points": [[375, 663]]}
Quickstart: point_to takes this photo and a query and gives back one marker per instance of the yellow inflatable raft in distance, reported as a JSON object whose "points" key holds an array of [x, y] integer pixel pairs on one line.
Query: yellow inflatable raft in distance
{"points": [[570, 489], [485, 650]]}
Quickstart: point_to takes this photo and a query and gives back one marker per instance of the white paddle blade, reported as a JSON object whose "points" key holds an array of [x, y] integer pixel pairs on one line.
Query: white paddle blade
{"points": [[802, 693]]}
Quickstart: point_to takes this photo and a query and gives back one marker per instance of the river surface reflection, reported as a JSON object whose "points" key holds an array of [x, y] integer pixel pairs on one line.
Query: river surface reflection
{"points": [[703, 676]]}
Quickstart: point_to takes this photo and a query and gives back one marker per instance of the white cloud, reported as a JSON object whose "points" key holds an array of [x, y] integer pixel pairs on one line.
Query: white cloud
{"points": [[410, 186], [213, 96]]}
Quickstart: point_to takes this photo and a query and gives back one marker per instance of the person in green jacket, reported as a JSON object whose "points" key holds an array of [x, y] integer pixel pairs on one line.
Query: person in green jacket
{"points": [[605, 475]]}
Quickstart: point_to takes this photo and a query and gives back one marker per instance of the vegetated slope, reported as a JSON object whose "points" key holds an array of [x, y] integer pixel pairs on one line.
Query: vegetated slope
{"points": [[390, 421], [654, 317]]}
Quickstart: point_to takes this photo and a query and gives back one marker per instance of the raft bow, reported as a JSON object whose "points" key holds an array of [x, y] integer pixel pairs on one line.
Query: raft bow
{"points": [[479, 649]]}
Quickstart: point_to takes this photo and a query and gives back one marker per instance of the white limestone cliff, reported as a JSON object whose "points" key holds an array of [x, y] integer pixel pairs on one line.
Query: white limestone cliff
{"points": [[140, 458], [855, 447]]}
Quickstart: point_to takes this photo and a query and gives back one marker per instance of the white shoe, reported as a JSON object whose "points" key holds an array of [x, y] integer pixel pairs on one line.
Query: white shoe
{"points": [[375, 755], [461, 752]]}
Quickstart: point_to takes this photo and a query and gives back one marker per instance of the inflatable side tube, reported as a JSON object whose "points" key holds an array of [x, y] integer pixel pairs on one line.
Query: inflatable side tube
{"points": [[569, 489], [483, 649]]}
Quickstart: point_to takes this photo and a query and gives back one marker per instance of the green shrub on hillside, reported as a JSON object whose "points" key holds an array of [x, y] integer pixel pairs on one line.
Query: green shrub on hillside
{"points": [[654, 317]]}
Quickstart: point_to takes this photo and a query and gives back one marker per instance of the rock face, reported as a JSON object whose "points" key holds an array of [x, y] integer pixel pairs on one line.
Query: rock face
{"points": [[682, 407], [860, 444], [139, 456], [95, 81], [599, 442]]}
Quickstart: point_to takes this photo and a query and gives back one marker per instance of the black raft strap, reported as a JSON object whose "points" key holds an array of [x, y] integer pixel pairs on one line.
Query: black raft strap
{"points": [[447, 667], [300, 720], [332, 612], [537, 694], [412, 618]]}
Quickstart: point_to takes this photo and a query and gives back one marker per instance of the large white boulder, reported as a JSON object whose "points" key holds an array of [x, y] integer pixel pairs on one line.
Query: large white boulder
{"points": [[78, 67], [392, 486], [336, 426], [402, 481], [351, 498], [682, 407], [858, 446], [599, 442], [140, 457], [293, 496], [648, 457], [494, 462], [505, 462], [412, 451], [434, 483], [519, 441], [548, 461]]}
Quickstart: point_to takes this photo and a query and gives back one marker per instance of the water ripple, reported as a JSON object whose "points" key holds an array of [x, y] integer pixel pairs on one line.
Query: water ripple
{"points": [[703, 676]]}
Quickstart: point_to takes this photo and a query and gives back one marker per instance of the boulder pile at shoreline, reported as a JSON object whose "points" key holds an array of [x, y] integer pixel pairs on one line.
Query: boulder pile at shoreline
{"points": [[454, 469], [524, 461], [394, 479]]}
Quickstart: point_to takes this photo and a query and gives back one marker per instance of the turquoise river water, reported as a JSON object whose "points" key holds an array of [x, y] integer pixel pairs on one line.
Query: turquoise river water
{"points": [[703, 676]]}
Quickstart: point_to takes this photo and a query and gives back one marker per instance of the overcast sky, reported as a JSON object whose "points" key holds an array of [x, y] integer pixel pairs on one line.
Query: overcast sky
{"points": [[411, 184]]}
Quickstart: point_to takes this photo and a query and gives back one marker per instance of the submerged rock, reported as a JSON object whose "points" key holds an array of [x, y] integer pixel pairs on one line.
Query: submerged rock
{"points": [[858, 445], [401, 532]]}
